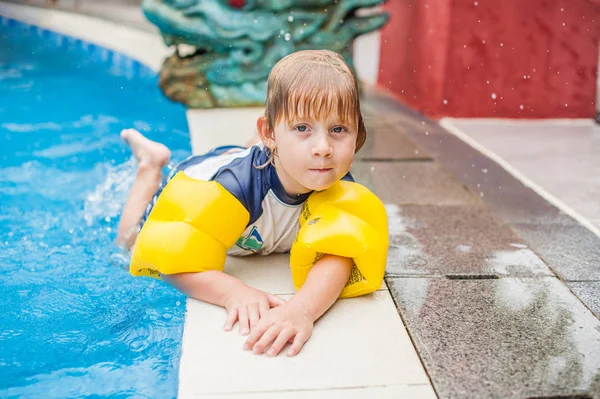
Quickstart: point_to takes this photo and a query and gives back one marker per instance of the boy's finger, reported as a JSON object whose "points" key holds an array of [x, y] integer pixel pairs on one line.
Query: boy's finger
{"points": [[263, 307], [253, 314], [266, 339], [298, 343], [231, 319], [282, 339], [255, 334], [275, 301], [243, 320]]}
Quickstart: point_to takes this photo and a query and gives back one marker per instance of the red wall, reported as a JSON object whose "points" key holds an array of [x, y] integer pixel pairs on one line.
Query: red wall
{"points": [[538, 58]]}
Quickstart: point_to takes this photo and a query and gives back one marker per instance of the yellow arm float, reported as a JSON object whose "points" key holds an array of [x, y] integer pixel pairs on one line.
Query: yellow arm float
{"points": [[189, 229], [345, 220]]}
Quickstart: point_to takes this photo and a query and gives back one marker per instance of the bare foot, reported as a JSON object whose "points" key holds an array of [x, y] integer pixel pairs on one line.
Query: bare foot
{"points": [[148, 153]]}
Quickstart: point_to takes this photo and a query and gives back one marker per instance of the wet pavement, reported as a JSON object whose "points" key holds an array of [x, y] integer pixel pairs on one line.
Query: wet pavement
{"points": [[505, 338], [498, 288]]}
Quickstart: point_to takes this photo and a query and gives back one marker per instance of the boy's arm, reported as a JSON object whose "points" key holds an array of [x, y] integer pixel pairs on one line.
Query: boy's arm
{"points": [[211, 286], [323, 286], [242, 302], [295, 320]]}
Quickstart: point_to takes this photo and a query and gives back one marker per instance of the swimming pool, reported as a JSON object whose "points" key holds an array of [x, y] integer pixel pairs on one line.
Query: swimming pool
{"points": [[74, 322]]}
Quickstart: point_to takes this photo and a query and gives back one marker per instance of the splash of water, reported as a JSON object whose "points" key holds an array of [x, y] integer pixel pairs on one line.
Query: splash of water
{"points": [[108, 198]]}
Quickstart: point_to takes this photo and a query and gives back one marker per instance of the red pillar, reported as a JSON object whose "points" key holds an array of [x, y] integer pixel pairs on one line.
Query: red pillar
{"points": [[490, 58]]}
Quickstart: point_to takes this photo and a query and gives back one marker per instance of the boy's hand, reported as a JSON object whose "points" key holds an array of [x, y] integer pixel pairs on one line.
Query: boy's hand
{"points": [[247, 305], [280, 326]]}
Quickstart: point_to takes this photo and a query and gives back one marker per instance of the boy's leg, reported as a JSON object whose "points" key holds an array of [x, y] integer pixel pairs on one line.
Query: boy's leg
{"points": [[151, 157]]}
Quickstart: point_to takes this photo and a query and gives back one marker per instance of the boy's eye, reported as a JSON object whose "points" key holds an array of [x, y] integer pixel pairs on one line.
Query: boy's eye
{"points": [[338, 129], [301, 128]]}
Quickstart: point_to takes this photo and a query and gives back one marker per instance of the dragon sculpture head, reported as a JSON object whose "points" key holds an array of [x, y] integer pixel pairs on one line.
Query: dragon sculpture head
{"points": [[235, 43]]}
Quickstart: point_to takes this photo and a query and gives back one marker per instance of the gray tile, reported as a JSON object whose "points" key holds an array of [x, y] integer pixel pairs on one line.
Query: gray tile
{"points": [[573, 252], [386, 142], [376, 102], [508, 197], [545, 141], [456, 241], [589, 293], [412, 183], [543, 152], [505, 338]]}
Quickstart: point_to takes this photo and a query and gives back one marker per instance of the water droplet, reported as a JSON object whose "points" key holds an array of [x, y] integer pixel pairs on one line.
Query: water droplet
{"points": [[494, 96], [290, 18], [287, 37], [484, 170], [521, 106], [445, 102], [476, 3]]}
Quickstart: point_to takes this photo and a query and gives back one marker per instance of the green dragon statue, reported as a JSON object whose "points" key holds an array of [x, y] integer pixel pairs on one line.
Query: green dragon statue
{"points": [[237, 42]]}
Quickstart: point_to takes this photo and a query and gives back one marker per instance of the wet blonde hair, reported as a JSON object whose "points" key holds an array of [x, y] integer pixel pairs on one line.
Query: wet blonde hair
{"points": [[313, 84]]}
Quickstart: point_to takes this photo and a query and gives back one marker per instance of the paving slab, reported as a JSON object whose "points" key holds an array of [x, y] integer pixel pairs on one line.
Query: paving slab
{"points": [[267, 273], [359, 343], [508, 197], [573, 252], [543, 150], [589, 292], [388, 392], [512, 200], [385, 142], [456, 241], [425, 183], [210, 128], [504, 338]]}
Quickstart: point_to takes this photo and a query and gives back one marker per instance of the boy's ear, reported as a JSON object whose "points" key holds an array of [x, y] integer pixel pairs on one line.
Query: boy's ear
{"points": [[262, 126]]}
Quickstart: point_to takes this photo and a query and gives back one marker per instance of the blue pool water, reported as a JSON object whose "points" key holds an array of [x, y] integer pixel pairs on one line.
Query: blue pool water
{"points": [[74, 323]]}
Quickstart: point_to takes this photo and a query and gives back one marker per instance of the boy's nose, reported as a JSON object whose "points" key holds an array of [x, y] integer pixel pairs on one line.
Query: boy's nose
{"points": [[321, 146]]}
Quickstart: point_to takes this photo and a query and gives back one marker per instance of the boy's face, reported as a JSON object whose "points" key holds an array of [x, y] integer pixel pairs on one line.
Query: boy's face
{"points": [[312, 155]]}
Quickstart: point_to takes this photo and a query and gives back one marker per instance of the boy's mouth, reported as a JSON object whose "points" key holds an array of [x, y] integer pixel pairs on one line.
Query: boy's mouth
{"points": [[321, 170]]}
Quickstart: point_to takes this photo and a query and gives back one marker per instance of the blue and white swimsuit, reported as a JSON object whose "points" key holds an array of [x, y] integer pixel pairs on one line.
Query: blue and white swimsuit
{"points": [[273, 213]]}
